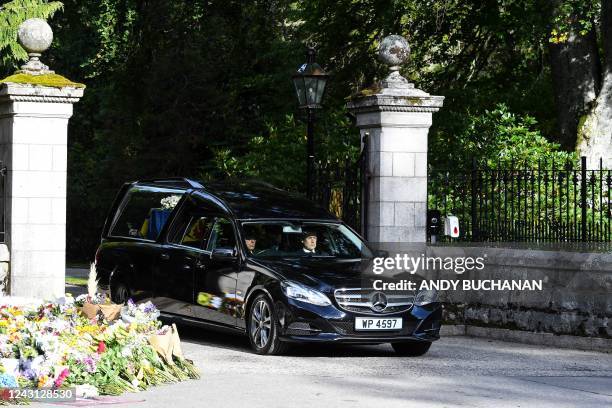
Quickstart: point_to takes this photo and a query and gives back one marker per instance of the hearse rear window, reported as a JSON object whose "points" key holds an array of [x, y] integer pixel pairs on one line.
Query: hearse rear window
{"points": [[145, 212]]}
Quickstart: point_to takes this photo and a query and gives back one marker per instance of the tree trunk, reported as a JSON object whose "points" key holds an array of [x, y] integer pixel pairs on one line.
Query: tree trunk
{"points": [[595, 130], [576, 73]]}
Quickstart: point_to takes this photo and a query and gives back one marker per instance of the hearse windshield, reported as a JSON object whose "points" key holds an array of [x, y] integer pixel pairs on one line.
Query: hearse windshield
{"points": [[284, 239]]}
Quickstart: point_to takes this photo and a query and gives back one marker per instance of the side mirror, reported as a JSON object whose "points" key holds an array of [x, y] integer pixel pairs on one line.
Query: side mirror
{"points": [[224, 253]]}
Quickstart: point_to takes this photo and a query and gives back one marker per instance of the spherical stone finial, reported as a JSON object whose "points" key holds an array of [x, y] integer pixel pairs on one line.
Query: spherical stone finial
{"points": [[35, 36], [394, 51]]}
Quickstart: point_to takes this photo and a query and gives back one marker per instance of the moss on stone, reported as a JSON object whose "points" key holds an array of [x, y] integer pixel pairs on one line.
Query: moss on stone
{"points": [[372, 90], [53, 80], [413, 100], [369, 91]]}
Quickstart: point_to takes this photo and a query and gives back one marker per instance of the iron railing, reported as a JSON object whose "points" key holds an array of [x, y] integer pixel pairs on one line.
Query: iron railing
{"points": [[550, 202]]}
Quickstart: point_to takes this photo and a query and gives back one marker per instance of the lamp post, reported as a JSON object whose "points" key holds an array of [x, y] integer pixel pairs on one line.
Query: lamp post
{"points": [[309, 82]]}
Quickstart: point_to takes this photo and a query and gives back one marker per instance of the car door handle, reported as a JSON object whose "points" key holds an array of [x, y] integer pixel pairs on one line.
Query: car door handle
{"points": [[200, 265], [164, 256], [186, 267]]}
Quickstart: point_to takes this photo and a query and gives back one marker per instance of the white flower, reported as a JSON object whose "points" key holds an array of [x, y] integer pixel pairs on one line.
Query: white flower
{"points": [[170, 202], [126, 351], [86, 391], [65, 300], [216, 302], [11, 365]]}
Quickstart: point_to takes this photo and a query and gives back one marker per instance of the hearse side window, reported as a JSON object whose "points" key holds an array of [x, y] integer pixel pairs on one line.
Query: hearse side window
{"points": [[194, 231], [222, 235], [197, 232], [146, 212]]}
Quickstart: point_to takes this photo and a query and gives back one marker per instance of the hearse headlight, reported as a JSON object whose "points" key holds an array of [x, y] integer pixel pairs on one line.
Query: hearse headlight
{"points": [[425, 297], [303, 293]]}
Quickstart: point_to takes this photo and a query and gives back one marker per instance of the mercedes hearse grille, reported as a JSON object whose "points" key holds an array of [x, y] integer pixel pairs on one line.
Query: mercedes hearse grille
{"points": [[369, 301]]}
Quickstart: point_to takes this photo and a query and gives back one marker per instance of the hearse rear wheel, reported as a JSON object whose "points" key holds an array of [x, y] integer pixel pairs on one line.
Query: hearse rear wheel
{"points": [[120, 293]]}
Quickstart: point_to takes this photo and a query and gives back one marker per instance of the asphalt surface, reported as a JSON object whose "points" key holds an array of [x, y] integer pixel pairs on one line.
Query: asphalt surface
{"points": [[457, 372]]}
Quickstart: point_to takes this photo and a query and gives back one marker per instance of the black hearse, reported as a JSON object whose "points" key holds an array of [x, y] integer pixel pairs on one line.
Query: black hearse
{"points": [[256, 260]]}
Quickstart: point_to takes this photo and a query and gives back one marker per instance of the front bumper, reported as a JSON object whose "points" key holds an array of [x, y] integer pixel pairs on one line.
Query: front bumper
{"points": [[304, 322]]}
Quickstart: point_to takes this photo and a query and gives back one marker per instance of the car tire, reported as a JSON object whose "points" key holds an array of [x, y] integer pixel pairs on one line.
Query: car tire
{"points": [[120, 292], [263, 327], [411, 348]]}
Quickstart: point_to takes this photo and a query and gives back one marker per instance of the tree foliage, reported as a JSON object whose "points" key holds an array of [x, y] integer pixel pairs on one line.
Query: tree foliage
{"points": [[12, 14], [203, 89], [496, 138]]}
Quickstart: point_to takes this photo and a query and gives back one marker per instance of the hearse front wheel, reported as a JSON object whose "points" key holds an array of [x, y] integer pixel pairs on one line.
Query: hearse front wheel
{"points": [[263, 327], [411, 348]]}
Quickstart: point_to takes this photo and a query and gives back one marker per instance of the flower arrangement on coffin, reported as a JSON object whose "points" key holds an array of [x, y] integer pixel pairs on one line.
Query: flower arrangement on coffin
{"points": [[94, 304], [168, 203], [54, 345]]}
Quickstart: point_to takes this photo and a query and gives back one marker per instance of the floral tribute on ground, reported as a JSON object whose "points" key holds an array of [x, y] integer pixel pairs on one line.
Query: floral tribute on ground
{"points": [[64, 344]]}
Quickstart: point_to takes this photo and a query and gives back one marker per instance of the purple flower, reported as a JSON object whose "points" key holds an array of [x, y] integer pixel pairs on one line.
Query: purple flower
{"points": [[149, 308], [29, 374], [90, 364], [131, 303]]}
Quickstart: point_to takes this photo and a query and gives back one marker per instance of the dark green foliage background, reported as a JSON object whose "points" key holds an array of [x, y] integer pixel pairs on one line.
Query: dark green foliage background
{"points": [[203, 89]]}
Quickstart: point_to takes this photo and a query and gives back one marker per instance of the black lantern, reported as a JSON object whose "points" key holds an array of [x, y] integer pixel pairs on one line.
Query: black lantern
{"points": [[309, 82]]}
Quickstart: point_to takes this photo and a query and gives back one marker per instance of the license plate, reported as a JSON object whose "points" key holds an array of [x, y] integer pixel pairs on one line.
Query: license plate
{"points": [[376, 323]]}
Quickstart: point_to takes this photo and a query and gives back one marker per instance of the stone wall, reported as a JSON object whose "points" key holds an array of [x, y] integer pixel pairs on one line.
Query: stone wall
{"points": [[576, 298]]}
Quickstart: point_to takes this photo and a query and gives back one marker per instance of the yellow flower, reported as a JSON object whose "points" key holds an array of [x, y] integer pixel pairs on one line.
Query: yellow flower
{"points": [[88, 329], [42, 381]]}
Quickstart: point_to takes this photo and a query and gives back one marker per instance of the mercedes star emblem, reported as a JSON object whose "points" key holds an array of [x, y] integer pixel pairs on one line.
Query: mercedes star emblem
{"points": [[379, 302]]}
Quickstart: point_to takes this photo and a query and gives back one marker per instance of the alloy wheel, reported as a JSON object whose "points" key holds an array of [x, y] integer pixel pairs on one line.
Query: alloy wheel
{"points": [[261, 323]]}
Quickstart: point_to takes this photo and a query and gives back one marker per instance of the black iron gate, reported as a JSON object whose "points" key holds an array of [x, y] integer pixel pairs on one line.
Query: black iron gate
{"points": [[339, 187], [549, 202]]}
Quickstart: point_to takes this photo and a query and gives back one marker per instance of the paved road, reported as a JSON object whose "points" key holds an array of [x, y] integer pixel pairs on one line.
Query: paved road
{"points": [[457, 372]]}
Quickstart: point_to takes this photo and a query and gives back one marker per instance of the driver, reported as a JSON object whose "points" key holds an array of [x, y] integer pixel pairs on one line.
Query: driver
{"points": [[309, 242]]}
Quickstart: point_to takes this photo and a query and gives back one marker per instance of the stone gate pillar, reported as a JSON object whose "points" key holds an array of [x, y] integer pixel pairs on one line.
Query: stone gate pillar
{"points": [[35, 105], [397, 117]]}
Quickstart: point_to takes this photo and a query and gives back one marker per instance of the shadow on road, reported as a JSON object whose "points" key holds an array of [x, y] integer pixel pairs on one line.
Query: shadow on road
{"points": [[237, 342]]}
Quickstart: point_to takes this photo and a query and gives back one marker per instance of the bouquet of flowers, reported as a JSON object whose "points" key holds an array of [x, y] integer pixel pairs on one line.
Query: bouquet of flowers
{"points": [[143, 313], [93, 303], [54, 345]]}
